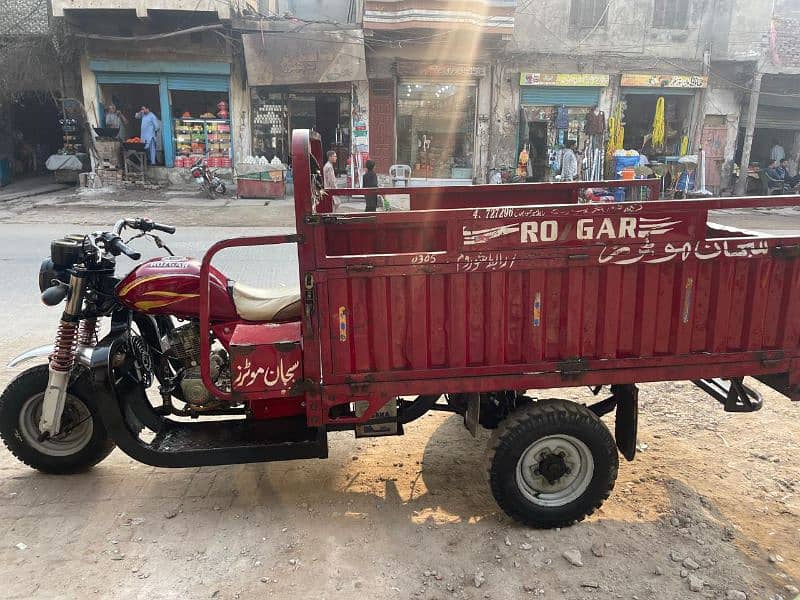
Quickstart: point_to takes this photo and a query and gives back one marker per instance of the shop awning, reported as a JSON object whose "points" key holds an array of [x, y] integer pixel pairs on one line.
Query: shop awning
{"points": [[303, 58]]}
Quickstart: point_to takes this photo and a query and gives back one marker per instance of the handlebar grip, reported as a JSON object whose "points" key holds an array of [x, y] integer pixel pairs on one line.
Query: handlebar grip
{"points": [[165, 228], [123, 248]]}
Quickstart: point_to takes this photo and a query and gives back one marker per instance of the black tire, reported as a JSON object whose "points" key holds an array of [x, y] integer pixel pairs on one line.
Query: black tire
{"points": [[222, 189], [89, 449], [548, 424]]}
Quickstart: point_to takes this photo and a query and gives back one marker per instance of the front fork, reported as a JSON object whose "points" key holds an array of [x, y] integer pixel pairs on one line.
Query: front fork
{"points": [[72, 331]]}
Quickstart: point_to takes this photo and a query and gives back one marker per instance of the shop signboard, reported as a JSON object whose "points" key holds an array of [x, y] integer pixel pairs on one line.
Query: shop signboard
{"points": [[440, 70], [564, 79], [663, 81]]}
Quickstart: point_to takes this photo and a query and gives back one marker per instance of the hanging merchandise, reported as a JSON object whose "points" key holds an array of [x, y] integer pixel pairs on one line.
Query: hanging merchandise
{"points": [[685, 145], [523, 164], [562, 117], [616, 134], [658, 135]]}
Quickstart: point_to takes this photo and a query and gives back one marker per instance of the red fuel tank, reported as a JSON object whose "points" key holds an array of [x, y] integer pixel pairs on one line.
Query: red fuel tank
{"points": [[170, 286]]}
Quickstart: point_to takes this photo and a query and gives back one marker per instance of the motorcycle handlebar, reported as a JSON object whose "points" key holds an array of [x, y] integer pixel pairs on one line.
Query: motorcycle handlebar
{"points": [[144, 225], [121, 247]]}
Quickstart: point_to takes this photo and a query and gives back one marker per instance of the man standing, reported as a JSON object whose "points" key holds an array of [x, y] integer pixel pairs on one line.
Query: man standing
{"points": [[569, 162], [116, 120], [150, 129], [777, 153], [329, 172]]}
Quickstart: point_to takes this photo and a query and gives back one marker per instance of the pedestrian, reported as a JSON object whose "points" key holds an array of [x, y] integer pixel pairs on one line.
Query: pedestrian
{"points": [[116, 120], [370, 180], [789, 181], [329, 170], [569, 162], [150, 129], [777, 153]]}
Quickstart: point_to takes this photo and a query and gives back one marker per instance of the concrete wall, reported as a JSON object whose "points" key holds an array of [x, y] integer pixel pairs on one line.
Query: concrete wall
{"points": [[24, 17], [726, 102], [240, 110], [545, 27]]}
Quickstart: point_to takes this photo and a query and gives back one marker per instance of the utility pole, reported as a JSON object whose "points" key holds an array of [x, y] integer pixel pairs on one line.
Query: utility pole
{"points": [[752, 111]]}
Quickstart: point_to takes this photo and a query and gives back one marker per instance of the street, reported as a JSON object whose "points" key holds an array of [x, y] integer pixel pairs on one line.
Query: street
{"points": [[711, 496]]}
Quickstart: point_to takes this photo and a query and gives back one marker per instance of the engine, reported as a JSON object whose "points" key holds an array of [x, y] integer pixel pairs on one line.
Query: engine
{"points": [[182, 347]]}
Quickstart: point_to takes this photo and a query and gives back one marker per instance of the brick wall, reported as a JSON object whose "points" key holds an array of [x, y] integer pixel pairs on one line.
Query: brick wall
{"points": [[24, 17], [788, 40]]}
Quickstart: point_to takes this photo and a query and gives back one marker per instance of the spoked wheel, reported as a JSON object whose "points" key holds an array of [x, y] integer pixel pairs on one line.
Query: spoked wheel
{"points": [[552, 463], [82, 442]]}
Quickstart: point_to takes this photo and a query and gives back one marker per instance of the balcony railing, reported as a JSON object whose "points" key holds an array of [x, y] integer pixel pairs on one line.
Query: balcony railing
{"points": [[487, 16]]}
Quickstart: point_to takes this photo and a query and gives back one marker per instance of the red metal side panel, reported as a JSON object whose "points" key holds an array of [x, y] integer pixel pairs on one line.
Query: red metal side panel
{"points": [[398, 322], [475, 319], [515, 326], [456, 321], [775, 298], [519, 292], [534, 311]]}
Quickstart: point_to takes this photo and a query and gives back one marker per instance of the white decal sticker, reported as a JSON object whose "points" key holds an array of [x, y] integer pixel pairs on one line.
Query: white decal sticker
{"points": [[248, 375], [648, 254]]}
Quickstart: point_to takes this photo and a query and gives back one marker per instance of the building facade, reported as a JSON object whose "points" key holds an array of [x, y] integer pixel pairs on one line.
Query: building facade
{"points": [[452, 89]]}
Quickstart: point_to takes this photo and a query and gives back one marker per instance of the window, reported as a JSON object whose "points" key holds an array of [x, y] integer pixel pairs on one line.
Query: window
{"points": [[588, 14], [670, 14]]}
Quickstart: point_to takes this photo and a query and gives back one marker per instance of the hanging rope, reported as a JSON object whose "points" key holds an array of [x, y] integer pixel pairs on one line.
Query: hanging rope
{"points": [[658, 138]]}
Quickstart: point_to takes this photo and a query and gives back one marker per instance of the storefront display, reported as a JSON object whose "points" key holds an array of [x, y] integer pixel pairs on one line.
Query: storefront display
{"points": [[436, 129], [557, 108], [645, 113], [190, 100], [276, 113]]}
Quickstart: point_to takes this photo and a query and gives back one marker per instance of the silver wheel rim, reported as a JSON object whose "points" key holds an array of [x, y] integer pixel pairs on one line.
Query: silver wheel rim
{"points": [[76, 421], [564, 453]]}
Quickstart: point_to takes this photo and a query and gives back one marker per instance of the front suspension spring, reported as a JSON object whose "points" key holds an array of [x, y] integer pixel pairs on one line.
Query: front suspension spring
{"points": [[63, 356], [87, 333]]}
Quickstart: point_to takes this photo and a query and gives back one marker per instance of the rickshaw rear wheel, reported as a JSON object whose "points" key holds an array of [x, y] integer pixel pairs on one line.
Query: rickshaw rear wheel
{"points": [[552, 463]]}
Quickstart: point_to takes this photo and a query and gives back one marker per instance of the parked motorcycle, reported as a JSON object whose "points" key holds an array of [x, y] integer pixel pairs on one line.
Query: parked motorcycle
{"points": [[50, 415], [208, 180]]}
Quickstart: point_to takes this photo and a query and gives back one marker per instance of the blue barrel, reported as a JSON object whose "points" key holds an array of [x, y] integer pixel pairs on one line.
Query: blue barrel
{"points": [[622, 162]]}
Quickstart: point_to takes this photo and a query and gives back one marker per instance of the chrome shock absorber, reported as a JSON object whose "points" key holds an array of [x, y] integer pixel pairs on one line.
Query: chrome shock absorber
{"points": [[63, 357]]}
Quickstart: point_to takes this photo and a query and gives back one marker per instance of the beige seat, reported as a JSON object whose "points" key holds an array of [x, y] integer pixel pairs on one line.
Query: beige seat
{"points": [[256, 304]]}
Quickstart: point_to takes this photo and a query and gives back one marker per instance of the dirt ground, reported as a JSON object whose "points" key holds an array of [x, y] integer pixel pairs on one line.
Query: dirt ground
{"points": [[711, 497], [712, 502]]}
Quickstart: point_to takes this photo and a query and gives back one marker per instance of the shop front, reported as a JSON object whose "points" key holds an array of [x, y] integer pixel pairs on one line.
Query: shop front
{"points": [[190, 100], [277, 111], [437, 119], [315, 81], [557, 109], [641, 94]]}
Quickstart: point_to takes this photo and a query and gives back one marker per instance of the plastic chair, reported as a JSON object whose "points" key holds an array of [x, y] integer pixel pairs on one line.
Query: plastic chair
{"points": [[771, 186], [400, 175]]}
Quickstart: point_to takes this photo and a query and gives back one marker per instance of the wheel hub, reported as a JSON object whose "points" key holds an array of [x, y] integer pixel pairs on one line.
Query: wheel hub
{"points": [[555, 470], [552, 467]]}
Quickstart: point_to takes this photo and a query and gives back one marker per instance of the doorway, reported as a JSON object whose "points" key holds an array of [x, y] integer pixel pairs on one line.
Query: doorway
{"points": [[36, 132]]}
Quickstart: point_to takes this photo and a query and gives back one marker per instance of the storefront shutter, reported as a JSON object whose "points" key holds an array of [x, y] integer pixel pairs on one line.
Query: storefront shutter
{"points": [[198, 83], [127, 78], [777, 117], [531, 95]]}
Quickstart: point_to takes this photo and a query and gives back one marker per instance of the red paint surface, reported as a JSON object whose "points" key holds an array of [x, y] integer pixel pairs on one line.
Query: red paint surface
{"points": [[436, 314], [171, 286]]}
